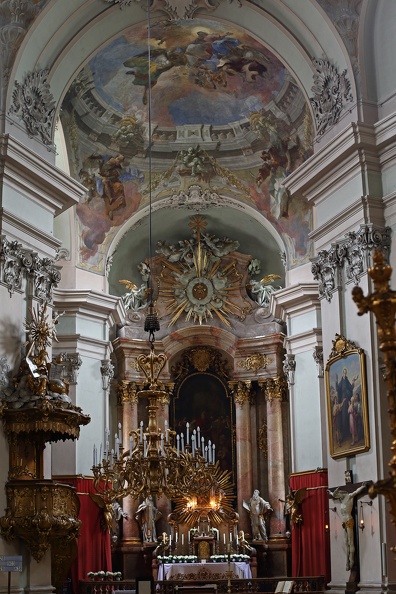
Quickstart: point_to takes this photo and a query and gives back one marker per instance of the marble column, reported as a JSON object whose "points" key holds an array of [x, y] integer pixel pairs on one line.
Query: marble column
{"points": [[275, 391], [241, 394], [127, 392]]}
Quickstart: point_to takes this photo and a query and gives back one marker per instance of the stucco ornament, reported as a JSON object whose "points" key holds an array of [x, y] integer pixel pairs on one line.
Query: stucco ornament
{"points": [[331, 92], [34, 103], [353, 253], [200, 278], [175, 9]]}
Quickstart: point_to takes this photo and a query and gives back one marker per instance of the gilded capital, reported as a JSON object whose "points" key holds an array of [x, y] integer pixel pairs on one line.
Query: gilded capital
{"points": [[128, 392], [241, 391], [274, 388]]}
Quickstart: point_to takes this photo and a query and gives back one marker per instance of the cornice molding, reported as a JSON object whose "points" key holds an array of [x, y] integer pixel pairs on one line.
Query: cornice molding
{"points": [[304, 341], [295, 300], [364, 208], [25, 170], [9, 224], [325, 165], [90, 304], [84, 345]]}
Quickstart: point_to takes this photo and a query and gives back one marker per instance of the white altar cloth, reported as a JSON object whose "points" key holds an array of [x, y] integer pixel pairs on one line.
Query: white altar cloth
{"points": [[203, 571]]}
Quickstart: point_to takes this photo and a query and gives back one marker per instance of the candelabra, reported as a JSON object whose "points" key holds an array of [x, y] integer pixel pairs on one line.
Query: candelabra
{"points": [[157, 462], [382, 302]]}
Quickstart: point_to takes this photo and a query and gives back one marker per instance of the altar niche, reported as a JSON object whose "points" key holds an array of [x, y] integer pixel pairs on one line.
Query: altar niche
{"points": [[202, 399]]}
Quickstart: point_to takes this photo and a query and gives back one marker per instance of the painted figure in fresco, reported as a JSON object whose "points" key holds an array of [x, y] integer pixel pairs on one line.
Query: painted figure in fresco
{"points": [[147, 515], [113, 188], [258, 508], [346, 500]]}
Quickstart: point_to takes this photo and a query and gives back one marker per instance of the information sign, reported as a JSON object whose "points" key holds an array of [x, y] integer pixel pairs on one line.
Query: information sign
{"points": [[10, 563]]}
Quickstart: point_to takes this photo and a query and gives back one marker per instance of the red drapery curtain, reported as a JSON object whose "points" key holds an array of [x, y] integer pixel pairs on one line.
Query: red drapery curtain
{"points": [[94, 551], [311, 539]]}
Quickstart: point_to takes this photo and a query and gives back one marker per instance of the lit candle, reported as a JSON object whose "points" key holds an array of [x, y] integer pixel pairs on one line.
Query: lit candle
{"points": [[187, 433]]}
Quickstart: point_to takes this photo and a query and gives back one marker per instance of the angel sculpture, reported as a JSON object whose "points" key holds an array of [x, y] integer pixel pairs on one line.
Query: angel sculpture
{"points": [[293, 505], [261, 290], [136, 298]]}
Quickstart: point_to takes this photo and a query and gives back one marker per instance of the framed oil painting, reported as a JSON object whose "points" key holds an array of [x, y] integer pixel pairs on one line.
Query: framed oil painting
{"points": [[346, 396]]}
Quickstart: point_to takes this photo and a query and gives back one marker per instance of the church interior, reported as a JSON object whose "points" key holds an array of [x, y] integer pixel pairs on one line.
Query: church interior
{"points": [[197, 346]]}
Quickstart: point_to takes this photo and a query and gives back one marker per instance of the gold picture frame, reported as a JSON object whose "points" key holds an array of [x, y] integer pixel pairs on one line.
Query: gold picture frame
{"points": [[346, 395]]}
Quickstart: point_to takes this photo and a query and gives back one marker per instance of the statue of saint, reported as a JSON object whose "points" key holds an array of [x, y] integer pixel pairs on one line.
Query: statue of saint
{"points": [[258, 508], [147, 515]]}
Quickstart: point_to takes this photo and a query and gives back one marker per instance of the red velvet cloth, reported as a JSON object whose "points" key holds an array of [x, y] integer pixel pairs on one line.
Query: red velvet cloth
{"points": [[311, 540], [94, 550]]}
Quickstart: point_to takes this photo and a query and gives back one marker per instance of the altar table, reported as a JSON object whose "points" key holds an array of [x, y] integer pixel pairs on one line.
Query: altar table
{"points": [[203, 571]]}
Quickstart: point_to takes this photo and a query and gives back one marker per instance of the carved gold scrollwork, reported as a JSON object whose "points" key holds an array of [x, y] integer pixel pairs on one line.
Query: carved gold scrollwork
{"points": [[202, 359], [42, 513], [127, 392], [241, 391], [263, 439], [275, 388], [255, 361]]}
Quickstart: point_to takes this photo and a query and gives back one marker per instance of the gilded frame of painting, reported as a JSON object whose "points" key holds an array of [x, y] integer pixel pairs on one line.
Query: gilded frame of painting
{"points": [[346, 395]]}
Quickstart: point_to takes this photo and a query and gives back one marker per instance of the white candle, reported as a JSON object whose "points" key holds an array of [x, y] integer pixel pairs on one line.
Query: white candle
{"points": [[178, 444], [202, 446], [100, 453], [170, 541], [166, 431], [224, 538], [189, 536], [120, 433], [230, 536], [93, 456], [107, 450], [144, 446], [130, 445], [141, 431], [182, 442], [162, 445], [209, 451], [182, 539], [237, 540], [213, 454], [188, 433], [206, 453], [193, 445], [116, 445], [199, 437]]}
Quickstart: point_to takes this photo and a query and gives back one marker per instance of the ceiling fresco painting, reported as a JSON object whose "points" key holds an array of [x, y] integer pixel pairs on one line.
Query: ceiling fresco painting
{"points": [[226, 115]]}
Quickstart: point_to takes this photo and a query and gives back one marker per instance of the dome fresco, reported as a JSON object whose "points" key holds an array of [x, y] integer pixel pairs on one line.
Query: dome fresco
{"points": [[225, 114]]}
